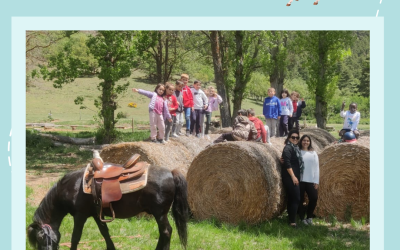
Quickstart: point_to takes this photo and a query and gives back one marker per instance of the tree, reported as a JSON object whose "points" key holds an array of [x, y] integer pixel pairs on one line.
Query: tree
{"points": [[325, 49], [277, 65], [116, 56], [36, 42], [159, 48], [364, 84], [220, 73], [247, 56]]}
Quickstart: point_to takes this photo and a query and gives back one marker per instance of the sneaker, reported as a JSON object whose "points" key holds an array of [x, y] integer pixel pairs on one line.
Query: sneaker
{"points": [[305, 222], [198, 135], [309, 221], [174, 135], [154, 140], [187, 133], [161, 141]]}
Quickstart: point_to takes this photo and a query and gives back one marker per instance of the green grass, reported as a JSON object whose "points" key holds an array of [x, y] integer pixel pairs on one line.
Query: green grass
{"points": [[210, 234]]}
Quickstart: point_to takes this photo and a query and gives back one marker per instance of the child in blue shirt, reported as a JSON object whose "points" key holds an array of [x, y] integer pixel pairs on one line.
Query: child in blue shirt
{"points": [[271, 111]]}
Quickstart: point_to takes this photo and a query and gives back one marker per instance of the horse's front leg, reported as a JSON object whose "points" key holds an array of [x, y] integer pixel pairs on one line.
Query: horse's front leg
{"points": [[104, 231], [79, 222], [165, 231]]}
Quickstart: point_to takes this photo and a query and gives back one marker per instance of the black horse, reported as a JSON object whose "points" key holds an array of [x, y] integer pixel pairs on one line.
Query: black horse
{"points": [[163, 188]]}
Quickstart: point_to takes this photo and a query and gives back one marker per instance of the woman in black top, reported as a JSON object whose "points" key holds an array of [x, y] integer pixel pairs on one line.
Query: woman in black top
{"points": [[292, 169]]}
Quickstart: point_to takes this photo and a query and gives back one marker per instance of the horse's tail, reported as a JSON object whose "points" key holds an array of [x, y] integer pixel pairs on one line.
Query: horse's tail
{"points": [[180, 206]]}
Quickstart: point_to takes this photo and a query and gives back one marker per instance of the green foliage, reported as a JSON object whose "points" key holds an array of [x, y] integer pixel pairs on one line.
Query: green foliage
{"points": [[115, 54], [257, 86]]}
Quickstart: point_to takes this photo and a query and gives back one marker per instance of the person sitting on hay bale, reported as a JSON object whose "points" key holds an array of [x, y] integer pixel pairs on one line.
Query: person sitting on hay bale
{"points": [[259, 125], [241, 129], [293, 168], [351, 119]]}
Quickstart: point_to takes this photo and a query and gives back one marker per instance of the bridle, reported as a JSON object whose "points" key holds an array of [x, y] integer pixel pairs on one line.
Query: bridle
{"points": [[50, 236]]}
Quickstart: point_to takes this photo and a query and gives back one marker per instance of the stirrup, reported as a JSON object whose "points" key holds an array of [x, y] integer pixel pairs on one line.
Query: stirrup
{"points": [[101, 212]]}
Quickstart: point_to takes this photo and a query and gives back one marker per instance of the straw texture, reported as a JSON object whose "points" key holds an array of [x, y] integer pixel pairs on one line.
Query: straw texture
{"points": [[344, 182], [236, 182]]}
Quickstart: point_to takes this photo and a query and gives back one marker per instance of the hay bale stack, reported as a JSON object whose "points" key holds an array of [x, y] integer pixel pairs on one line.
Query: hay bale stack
{"points": [[344, 182], [236, 182], [193, 144], [364, 141], [320, 136], [171, 156], [221, 130]]}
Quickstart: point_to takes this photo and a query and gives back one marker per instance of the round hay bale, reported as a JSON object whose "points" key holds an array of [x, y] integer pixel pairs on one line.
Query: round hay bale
{"points": [[344, 182], [171, 155], [363, 141], [222, 130], [236, 182], [364, 133], [323, 137], [193, 144]]}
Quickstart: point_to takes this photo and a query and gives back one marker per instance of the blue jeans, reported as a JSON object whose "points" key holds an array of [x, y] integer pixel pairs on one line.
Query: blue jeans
{"points": [[187, 117]]}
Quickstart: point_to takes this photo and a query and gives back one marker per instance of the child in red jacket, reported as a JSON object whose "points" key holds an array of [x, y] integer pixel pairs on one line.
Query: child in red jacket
{"points": [[187, 101], [259, 125]]}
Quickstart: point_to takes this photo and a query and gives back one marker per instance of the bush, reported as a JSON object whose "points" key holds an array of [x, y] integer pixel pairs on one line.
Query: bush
{"points": [[34, 140]]}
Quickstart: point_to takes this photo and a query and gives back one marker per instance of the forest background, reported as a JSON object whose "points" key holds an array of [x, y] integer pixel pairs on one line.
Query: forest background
{"points": [[96, 69]]}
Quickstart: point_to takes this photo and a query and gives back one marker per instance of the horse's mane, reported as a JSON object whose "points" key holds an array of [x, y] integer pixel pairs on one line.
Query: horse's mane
{"points": [[51, 200]]}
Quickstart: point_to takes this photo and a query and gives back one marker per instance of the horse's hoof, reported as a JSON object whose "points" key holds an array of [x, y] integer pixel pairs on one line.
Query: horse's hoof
{"points": [[288, 4]]}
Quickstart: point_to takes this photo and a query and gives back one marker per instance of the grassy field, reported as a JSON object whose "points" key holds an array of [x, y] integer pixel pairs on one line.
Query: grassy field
{"points": [[46, 163], [43, 159]]}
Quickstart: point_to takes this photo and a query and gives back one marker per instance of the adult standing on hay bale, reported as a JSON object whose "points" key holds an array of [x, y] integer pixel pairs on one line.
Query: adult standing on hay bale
{"points": [[236, 182], [344, 177], [293, 167], [310, 179]]}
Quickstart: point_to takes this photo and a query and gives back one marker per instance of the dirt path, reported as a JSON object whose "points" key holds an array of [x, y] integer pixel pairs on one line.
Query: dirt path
{"points": [[41, 181]]}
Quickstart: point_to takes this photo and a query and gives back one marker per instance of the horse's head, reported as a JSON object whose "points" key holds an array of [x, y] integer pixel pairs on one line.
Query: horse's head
{"points": [[43, 237]]}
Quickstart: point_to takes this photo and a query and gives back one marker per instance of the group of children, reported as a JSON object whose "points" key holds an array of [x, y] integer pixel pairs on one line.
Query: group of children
{"points": [[170, 104], [286, 110]]}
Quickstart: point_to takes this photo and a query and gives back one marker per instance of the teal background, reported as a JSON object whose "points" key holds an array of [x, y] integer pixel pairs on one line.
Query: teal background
{"points": [[333, 8]]}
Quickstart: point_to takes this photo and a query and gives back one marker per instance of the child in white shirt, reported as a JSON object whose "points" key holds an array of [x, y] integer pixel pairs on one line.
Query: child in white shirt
{"points": [[351, 119]]}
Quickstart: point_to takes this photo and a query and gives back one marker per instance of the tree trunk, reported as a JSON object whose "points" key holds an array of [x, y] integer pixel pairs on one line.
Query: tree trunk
{"points": [[321, 112], [219, 79], [108, 108], [239, 74], [321, 106], [165, 76], [159, 59], [276, 78]]}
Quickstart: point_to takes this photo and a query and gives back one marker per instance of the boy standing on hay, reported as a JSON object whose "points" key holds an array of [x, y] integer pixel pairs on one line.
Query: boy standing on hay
{"points": [[200, 103], [187, 101], [178, 123], [242, 129], [297, 110], [259, 125], [272, 111], [351, 119]]}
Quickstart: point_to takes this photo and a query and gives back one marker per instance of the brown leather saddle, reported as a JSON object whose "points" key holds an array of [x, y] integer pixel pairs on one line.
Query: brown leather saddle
{"points": [[107, 182]]}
